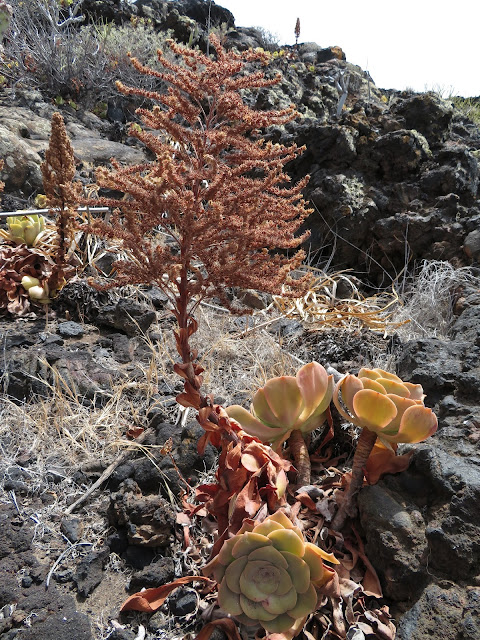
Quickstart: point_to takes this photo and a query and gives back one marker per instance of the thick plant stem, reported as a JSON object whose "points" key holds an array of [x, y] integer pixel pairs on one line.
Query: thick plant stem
{"points": [[348, 507], [301, 458]]}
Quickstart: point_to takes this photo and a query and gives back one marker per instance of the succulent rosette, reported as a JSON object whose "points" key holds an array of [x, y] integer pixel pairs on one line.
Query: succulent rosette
{"points": [[36, 291], [381, 402], [27, 229], [269, 575], [287, 403]]}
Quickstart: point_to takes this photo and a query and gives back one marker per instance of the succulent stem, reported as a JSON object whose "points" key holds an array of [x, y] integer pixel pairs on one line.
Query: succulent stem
{"points": [[348, 507], [301, 458]]}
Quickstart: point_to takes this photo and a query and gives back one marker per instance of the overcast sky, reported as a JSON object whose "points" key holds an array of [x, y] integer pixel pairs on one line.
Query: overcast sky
{"points": [[420, 44]]}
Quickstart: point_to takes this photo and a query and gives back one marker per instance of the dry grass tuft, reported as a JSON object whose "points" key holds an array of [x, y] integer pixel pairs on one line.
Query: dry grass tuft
{"points": [[335, 301], [46, 443], [428, 299]]}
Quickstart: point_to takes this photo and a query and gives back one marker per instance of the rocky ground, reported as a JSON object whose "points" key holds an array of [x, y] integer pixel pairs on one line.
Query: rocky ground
{"points": [[68, 570], [394, 181]]}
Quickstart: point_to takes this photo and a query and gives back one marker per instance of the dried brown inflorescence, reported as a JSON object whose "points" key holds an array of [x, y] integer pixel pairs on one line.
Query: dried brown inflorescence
{"points": [[63, 196], [222, 196]]}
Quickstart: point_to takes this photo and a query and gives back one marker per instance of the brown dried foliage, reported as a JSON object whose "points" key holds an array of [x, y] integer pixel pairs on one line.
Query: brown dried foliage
{"points": [[250, 474], [16, 262], [223, 197], [63, 195]]}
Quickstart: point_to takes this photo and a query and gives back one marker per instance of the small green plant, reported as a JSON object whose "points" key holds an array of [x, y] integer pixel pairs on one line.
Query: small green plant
{"points": [[384, 407], [27, 229], [469, 107], [100, 110], [6, 12], [269, 576], [49, 47], [289, 407]]}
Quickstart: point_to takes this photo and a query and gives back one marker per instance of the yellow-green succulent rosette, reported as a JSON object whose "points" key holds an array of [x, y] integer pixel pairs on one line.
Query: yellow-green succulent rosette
{"points": [[270, 575], [386, 405]]}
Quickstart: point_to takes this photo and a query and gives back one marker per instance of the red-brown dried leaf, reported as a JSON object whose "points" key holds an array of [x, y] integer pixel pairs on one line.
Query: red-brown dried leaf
{"points": [[370, 582], [227, 625], [307, 501], [134, 432], [233, 457], [149, 600], [383, 460], [247, 502], [380, 623]]}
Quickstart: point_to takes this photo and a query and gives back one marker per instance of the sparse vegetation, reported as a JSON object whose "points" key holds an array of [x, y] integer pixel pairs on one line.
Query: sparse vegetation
{"points": [[203, 221], [469, 107], [428, 298], [72, 61]]}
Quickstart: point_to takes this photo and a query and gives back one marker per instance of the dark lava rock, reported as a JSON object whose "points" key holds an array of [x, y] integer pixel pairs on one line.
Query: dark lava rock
{"points": [[81, 301], [49, 613], [183, 602], [64, 623], [89, 572], [437, 365], [149, 520], [427, 113], [154, 575], [400, 153], [162, 476], [139, 557], [70, 329], [72, 528], [15, 533], [129, 317], [440, 613], [121, 473], [396, 542], [122, 348]]}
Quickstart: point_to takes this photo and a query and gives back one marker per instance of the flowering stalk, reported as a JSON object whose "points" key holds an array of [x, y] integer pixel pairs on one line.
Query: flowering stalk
{"points": [[216, 187]]}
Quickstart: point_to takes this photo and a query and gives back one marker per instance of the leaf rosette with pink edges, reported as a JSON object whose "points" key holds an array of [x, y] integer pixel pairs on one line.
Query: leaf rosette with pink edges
{"points": [[287, 403]]}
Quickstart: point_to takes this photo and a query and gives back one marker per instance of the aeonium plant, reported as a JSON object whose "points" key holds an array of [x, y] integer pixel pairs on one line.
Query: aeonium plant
{"points": [[386, 408], [27, 229], [269, 576], [289, 408]]}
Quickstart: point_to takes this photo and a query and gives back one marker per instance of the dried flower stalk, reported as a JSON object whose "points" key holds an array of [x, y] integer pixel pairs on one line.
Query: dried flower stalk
{"points": [[63, 195], [223, 197]]}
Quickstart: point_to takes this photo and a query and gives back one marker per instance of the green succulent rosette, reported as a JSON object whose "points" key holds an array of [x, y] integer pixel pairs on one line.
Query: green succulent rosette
{"points": [[383, 403], [269, 575], [287, 403], [26, 229]]}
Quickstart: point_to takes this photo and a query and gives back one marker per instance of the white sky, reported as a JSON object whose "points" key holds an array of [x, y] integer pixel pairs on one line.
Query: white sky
{"points": [[420, 44]]}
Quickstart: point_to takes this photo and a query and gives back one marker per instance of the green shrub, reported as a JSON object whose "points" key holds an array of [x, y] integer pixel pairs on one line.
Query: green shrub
{"points": [[48, 47], [470, 107]]}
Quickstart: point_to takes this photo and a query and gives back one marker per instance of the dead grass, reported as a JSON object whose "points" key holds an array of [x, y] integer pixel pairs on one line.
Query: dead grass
{"points": [[335, 301], [428, 298], [45, 443]]}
